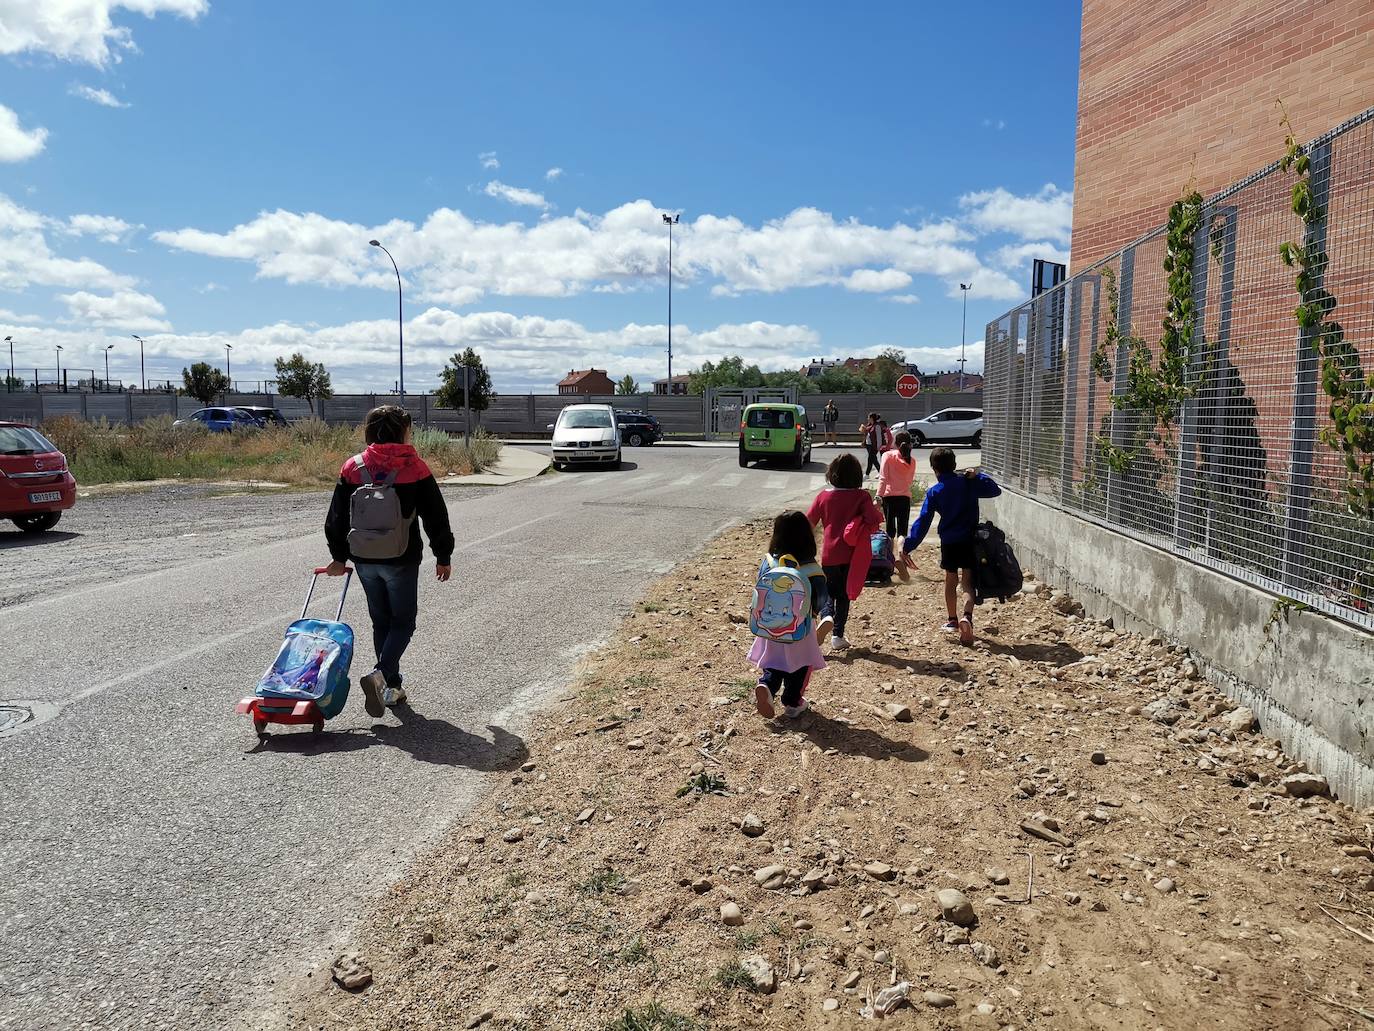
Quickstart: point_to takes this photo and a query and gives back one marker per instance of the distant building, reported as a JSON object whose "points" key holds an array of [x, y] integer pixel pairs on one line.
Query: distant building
{"points": [[818, 367], [950, 381], [864, 366], [679, 385], [586, 381]]}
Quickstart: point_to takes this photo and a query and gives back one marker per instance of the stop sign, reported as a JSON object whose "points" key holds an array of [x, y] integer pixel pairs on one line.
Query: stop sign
{"points": [[908, 386]]}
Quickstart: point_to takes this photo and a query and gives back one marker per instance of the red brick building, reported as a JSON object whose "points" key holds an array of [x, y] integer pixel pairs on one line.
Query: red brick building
{"points": [[586, 381], [1185, 90]]}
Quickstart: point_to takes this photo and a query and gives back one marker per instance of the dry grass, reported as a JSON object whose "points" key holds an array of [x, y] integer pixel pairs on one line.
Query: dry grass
{"points": [[306, 454]]}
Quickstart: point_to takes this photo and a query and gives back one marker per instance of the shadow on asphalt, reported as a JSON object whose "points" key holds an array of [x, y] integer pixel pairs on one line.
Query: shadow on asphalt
{"points": [[850, 738], [25, 540], [427, 740]]}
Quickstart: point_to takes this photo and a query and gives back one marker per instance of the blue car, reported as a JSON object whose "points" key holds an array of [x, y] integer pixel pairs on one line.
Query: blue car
{"points": [[221, 420]]}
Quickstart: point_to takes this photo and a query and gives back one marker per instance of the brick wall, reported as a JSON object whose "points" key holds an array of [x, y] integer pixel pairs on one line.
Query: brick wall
{"points": [[1174, 90]]}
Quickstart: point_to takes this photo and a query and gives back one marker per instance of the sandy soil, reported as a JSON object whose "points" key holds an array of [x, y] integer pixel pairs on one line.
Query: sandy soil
{"points": [[1194, 891]]}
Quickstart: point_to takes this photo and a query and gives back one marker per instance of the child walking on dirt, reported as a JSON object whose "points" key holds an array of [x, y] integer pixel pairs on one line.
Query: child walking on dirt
{"points": [[786, 666], [840, 504], [954, 497], [387, 557], [895, 475]]}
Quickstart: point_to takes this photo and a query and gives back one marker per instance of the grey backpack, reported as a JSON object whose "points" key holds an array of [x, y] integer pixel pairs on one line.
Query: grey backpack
{"points": [[377, 529]]}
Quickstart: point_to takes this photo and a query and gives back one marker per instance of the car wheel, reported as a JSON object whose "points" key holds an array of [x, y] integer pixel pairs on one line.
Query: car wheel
{"points": [[635, 440], [978, 439], [743, 459], [616, 463], [38, 523], [920, 439], [799, 456]]}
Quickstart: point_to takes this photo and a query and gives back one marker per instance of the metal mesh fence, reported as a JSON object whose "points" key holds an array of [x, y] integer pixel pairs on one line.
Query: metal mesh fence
{"points": [[1235, 475]]}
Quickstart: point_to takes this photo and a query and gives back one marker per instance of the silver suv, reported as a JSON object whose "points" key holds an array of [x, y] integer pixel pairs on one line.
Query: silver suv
{"points": [[947, 426]]}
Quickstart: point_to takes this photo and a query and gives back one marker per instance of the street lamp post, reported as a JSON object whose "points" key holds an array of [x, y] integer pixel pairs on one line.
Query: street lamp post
{"points": [[142, 374], [227, 376], [9, 383], [964, 288], [400, 324], [58, 348], [107, 367], [670, 221]]}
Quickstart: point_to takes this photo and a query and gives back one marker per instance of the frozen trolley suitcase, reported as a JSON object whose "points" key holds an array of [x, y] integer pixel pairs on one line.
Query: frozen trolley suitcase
{"points": [[307, 683]]}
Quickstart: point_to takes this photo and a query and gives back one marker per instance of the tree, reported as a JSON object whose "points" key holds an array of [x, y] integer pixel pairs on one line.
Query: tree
{"points": [[297, 377], [627, 386], [204, 382], [13, 383], [450, 392], [728, 372], [882, 373]]}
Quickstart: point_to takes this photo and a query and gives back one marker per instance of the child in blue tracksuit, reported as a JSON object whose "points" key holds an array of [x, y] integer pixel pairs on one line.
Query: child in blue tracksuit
{"points": [[955, 498]]}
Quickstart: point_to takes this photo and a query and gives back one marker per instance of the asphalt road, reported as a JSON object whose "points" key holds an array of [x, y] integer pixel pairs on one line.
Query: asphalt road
{"points": [[161, 868]]}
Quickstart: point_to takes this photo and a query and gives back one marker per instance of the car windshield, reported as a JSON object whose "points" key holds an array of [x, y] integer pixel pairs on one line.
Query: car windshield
{"points": [[20, 440], [771, 419], [585, 419]]}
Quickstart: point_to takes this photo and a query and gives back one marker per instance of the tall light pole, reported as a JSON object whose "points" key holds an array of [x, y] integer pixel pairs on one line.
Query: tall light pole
{"points": [[142, 375], [58, 350], [9, 383], [400, 325], [964, 288], [670, 221], [227, 349], [107, 366]]}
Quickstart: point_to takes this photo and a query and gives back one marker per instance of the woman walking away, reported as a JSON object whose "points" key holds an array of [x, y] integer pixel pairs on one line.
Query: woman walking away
{"points": [[788, 594], [895, 476], [372, 522], [835, 508], [872, 439]]}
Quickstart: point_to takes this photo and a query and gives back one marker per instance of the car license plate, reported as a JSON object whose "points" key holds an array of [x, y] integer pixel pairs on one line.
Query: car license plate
{"points": [[45, 496], [584, 454]]}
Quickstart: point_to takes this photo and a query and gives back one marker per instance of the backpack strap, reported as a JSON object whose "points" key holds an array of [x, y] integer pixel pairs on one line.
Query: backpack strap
{"points": [[390, 478], [361, 466], [811, 569]]}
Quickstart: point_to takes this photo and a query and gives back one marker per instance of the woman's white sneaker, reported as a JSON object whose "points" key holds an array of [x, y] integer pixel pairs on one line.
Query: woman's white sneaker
{"points": [[838, 644]]}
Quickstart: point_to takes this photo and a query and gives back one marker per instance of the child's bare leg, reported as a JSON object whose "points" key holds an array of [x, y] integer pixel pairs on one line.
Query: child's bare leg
{"points": [[966, 589], [952, 593]]}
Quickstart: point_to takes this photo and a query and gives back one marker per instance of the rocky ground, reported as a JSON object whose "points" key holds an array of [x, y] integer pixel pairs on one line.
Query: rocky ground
{"points": [[1064, 826]]}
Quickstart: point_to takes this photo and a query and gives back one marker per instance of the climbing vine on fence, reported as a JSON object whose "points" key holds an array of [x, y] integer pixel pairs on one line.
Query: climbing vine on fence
{"points": [[1343, 379]]}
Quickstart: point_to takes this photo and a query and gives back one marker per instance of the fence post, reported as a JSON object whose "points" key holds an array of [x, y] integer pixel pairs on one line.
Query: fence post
{"points": [[129, 408], [1298, 506], [1186, 480], [1122, 359], [1037, 337], [1074, 314]]}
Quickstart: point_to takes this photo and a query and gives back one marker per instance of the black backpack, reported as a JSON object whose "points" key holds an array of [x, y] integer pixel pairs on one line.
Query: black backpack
{"points": [[996, 572]]}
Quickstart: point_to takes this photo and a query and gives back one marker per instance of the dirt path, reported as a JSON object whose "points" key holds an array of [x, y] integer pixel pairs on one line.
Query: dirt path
{"points": [[1189, 894]]}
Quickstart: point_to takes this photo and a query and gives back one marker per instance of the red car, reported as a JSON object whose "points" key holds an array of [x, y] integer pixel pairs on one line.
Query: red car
{"points": [[35, 485]]}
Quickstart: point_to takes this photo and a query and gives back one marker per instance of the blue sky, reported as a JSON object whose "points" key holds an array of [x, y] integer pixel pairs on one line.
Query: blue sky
{"points": [[209, 173]]}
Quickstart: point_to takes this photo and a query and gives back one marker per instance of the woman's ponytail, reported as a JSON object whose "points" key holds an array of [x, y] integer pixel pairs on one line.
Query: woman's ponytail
{"points": [[903, 442]]}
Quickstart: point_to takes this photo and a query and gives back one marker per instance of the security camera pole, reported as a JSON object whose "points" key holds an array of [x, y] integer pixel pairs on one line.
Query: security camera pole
{"points": [[400, 325], [670, 221]]}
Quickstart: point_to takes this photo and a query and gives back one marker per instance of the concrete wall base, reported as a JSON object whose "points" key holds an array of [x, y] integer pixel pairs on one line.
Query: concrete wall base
{"points": [[1308, 677]]}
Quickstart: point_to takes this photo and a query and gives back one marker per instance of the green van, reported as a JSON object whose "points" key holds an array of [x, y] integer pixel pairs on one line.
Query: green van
{"points": [[774, 430]]}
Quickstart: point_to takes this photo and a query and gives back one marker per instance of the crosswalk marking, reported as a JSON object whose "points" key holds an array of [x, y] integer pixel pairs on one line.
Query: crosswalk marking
{"points": [[730, 480], [776, 482], [685, 481]]}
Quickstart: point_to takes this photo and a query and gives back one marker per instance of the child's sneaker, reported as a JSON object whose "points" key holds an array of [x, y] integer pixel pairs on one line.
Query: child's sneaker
{"points": [[373, 684], [838, 644], [966, 631], [950, 626], [393, 696], [824, 628], [763, 701], [793, 711]]}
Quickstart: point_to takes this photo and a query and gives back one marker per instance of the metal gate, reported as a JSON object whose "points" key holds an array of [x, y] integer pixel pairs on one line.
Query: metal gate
{"points": [[724, 405]]}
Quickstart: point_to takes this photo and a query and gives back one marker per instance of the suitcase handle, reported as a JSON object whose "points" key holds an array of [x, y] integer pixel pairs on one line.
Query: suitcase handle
{"points": [[320, 570]]}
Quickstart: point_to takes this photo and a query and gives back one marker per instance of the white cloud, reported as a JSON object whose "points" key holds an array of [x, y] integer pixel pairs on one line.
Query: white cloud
{"points": [[877, 281], [103, 97], [80, 30], [1047, 214], [553, 173], [488, 159], [124, 309], [994, 123], [26, 258], [453, 259], [904, 299], [105, 228], [515, 195], [16, 142], [7, 316], [1017, 258]]}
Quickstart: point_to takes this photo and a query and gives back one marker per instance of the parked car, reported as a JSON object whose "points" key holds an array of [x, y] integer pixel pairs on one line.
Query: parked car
{"points": [[586, 435], [266, 416], [221, 420], [773, 430], [638, 429], [947, 426], [35, 485]]}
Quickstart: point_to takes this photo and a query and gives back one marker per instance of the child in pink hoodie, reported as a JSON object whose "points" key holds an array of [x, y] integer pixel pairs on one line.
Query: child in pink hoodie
{"points": [[840, 504]]}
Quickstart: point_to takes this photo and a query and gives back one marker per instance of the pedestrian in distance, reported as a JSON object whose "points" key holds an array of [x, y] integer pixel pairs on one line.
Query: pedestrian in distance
{"points": [[896, 473], [373, 523], [844, 502], [830, 417], [789, 594], [872, 439], [884, 439], [954, 498]]}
